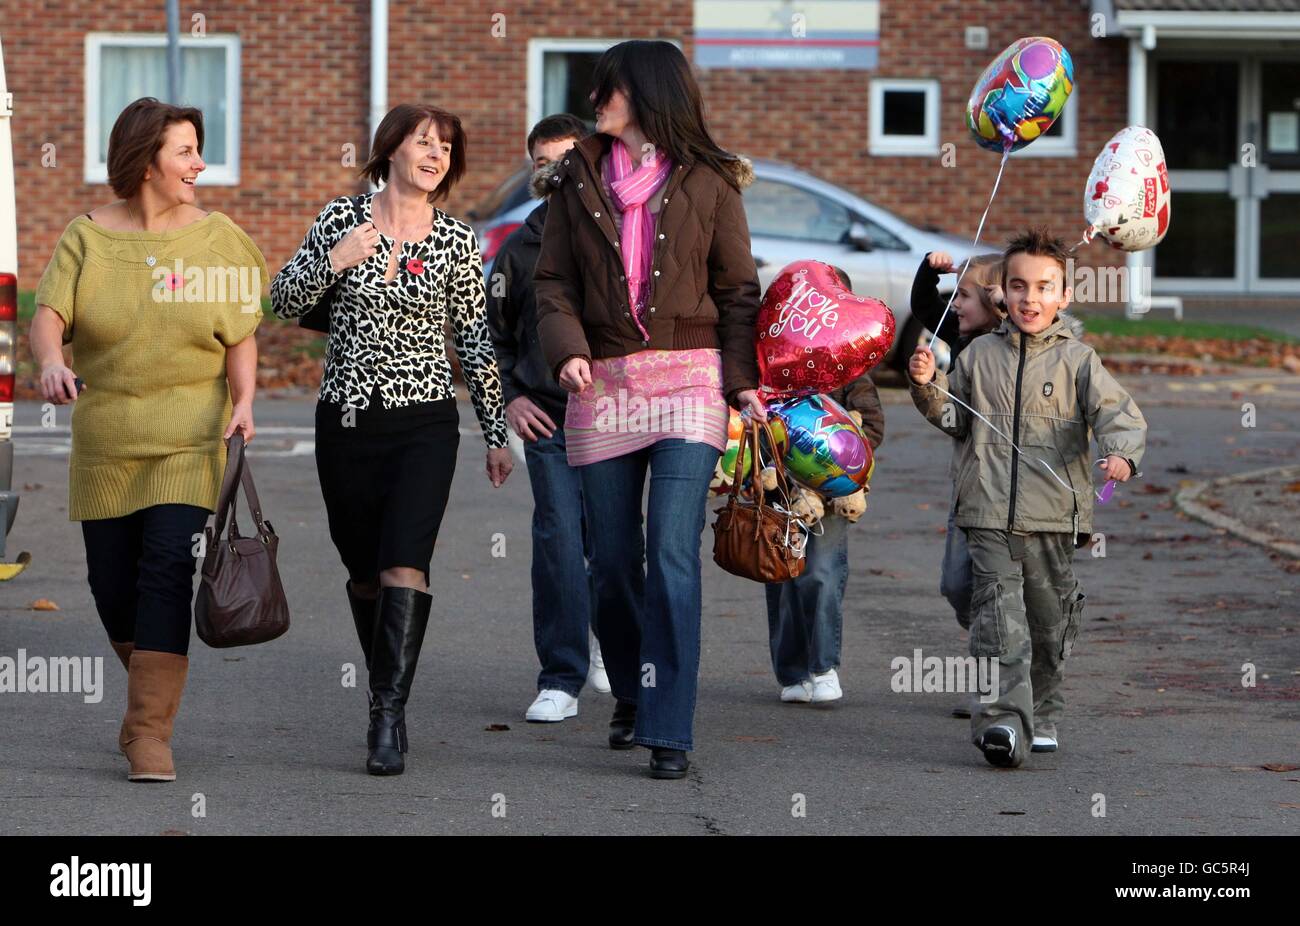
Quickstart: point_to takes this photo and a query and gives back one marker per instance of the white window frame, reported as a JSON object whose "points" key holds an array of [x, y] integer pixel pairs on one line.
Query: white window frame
{"points": [[537, 49], [926, 145], [1066, 144], [96, 171]]}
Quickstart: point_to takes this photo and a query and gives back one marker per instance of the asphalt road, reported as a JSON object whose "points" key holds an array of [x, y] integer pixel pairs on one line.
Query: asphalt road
{"points": [[1157, 719]]}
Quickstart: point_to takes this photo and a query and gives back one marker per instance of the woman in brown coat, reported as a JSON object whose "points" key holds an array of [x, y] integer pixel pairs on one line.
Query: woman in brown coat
{"points": [[647, 294]]}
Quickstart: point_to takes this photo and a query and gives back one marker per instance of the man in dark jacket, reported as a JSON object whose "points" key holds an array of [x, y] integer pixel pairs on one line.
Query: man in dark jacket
{"points": [[535, 403]]}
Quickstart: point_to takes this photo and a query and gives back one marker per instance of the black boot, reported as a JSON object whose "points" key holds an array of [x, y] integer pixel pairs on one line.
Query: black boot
{"points": [[668, 763], [363, 616], [622, 724], [400, 619]]}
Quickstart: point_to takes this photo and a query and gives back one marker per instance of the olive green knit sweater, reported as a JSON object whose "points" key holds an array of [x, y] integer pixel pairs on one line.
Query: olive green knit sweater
{"points": [[150, 343]]}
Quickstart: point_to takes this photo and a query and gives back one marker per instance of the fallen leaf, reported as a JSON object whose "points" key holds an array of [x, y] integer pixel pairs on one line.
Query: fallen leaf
{"points": [[497, 727], [43, 604], [1279, 767]]}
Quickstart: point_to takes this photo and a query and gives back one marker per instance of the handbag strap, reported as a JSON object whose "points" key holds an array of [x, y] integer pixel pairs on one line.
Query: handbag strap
{"points": [[237, 474], [756, 465]]}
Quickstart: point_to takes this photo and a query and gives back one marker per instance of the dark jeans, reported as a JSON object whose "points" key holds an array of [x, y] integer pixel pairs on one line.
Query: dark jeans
{"points": [[805, 616], [648, 583], [563, 589], [141, 571]]}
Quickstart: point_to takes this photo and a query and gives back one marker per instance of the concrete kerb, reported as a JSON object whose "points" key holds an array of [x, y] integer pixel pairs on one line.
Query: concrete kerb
{"points": [[1188, 501]]}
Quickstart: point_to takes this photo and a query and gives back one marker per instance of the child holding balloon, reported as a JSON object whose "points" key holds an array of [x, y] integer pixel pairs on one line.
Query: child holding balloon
{"points": [[1022, 402], [805, 615]]}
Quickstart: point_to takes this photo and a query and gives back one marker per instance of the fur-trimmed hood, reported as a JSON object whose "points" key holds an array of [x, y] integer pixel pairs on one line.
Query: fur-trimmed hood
{"points": [[545, 180]]}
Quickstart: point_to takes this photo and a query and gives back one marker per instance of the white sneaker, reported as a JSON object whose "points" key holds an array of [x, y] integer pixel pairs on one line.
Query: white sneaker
{"points": [[551, 706], [797, 694], [826, 687], [1043, 744], [596, 675]]}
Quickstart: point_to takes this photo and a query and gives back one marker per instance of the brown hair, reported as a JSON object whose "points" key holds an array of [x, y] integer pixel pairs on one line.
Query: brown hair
{"points": [[137, 137], [556, 127], [986, 270], [401, 121], [1036, 242]]}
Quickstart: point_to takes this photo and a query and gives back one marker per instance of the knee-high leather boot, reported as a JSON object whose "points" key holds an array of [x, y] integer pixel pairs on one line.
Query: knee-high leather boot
{"points": [[400, 620]]}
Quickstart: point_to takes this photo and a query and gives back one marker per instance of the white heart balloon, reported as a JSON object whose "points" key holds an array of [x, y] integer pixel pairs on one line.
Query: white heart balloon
{"points": [[1127, 197]]}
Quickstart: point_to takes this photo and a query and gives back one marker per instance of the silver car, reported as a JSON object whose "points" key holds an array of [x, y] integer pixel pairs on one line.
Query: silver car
{"points": [[793, 215]]}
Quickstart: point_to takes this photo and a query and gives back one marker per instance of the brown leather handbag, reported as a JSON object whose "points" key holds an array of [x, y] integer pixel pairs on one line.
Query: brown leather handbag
{"points": [[751, 538], [240, 599]]}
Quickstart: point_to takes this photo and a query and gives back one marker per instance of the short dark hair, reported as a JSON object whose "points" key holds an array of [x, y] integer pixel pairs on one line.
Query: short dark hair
{"points": [[401, 121], [843, 277], [553, 128], [1036, 242], [137, 137]]}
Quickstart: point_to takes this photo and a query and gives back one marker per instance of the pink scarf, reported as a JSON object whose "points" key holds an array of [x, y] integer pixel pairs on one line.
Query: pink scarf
{"points": [[631, 189]]}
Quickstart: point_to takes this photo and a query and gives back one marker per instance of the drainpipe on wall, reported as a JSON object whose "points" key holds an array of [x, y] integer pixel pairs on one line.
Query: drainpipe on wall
{"points": [[378, 66], [1139, 300]]}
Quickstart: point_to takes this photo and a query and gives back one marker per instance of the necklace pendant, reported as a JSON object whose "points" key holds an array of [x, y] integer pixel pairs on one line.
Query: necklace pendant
{"points": [[150, 260]]}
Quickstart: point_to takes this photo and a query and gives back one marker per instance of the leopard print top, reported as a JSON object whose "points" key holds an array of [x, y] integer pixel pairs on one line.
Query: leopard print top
{"points": [[391, 334]]}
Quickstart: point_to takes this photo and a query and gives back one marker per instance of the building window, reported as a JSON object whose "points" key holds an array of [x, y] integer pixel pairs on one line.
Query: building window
{"points": [[904, 117], [1059, 142], [559, 77], [124, 67]]}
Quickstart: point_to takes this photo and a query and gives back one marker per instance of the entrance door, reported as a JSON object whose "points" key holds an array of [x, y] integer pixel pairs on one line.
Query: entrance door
{"points": [[1229, 129]]}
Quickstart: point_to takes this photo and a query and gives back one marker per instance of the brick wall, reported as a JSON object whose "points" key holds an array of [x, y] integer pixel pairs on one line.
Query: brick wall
{"points": [[305, 89]]}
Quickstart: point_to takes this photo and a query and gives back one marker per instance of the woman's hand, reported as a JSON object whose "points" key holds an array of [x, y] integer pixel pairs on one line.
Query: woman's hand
{"points": [[241, 420], [58, 384], [500, 463], [575, 375], [357, 246], [748, 398]]}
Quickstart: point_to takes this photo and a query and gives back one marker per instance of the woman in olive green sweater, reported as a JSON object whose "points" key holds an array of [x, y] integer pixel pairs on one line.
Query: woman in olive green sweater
{"points": [[159, 301]]}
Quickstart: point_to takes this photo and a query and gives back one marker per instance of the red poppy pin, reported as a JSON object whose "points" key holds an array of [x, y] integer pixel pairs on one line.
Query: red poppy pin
{"points": [[416, 266]]}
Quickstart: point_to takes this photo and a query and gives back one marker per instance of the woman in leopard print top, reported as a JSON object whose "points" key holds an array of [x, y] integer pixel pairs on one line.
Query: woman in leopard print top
{"points": [[387, 428]]}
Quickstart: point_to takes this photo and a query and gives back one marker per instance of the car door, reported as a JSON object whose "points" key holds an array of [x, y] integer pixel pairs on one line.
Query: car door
{"points": [[788, 222]]}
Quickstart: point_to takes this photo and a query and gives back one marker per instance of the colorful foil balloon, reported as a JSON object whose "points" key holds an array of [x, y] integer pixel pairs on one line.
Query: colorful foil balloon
{"points": [[1020, 94], [1127, 198], [814, 335], [824, 449]]}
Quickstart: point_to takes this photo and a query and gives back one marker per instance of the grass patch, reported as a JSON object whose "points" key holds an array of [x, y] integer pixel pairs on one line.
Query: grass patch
{"points": [[1171, 328]]}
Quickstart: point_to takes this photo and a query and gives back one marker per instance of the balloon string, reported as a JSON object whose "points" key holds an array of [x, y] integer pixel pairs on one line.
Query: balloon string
{"points": [[1044, 463], [1006, 152]]}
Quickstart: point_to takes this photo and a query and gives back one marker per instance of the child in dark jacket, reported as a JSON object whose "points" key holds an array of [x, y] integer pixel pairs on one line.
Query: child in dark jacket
{"points": [[805, 615]]}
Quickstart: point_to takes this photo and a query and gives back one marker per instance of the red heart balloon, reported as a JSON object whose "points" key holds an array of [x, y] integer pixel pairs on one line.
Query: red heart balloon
{"points": [[816, 336]]}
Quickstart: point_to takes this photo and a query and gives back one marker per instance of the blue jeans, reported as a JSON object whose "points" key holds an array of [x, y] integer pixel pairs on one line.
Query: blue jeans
{"points": [[956, 578], [563, 590], [648, 583], [805, 616]]}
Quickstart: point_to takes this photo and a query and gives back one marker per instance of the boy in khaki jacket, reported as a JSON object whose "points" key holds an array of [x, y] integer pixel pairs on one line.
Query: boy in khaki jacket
{"points": [[1044, 390]]}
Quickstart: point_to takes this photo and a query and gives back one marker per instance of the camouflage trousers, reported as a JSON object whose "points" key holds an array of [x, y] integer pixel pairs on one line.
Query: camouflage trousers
{"points": [[1025, 611]]}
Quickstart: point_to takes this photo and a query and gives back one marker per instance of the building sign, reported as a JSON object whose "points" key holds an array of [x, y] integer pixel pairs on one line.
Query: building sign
{"points": [[776, 34]]}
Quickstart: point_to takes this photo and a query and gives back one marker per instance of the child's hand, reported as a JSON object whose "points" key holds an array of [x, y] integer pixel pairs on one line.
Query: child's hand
{"points": [[921, 367], [1117, 468], [940, 261]]}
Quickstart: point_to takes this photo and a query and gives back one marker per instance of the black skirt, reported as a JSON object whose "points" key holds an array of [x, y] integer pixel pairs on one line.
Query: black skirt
{"points": [[386, 475]]}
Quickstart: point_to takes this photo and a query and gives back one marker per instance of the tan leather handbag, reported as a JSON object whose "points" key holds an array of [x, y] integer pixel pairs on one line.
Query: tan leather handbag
{"points": [[240, 599], [751, 538]]}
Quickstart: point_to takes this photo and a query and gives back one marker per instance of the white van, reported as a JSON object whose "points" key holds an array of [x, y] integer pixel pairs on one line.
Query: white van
{"points": [[8, 326]]}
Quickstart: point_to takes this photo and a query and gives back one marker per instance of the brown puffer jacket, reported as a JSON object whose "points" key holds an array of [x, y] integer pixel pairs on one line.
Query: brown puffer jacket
{"points": [[1047, 393], [704, 289]]}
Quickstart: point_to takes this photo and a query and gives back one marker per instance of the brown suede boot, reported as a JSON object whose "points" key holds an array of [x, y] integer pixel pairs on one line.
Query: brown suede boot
{"points": [[153, 695], [123, 651]]}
